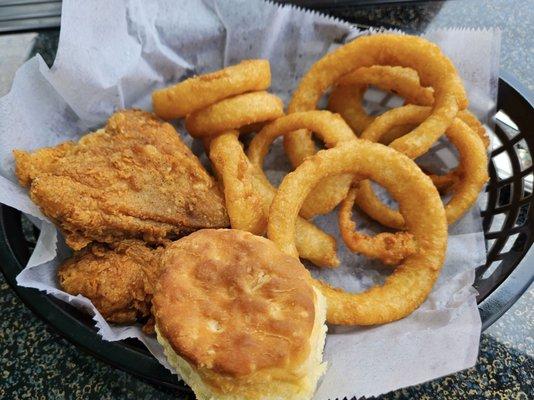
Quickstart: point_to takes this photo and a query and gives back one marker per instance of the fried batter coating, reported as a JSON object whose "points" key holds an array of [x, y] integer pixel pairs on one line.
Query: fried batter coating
{"points": [[119, 279], [134, 178]]}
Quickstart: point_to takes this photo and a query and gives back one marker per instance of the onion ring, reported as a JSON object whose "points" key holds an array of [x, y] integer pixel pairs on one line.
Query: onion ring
{"points": [[473, 162], [346, 98], [390, 248], [347, 101], [404, 82], [331, 128], [469, 118], [248, 200], [445, 183], [434, 70], [201, 91], [474, 169], [394, 133], [312, 243], [251, 128], [240, 194], [409, 284], [234, 113]]}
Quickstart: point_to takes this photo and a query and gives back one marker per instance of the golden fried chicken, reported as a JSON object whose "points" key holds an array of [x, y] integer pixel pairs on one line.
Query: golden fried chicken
{"points": [[119, 278], [134, 178]]}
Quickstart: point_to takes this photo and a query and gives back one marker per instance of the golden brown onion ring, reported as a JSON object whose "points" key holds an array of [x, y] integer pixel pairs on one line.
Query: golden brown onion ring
{"points": [[243, 202], [331, 128], [473, 162], [446, 182], [234, 113], [469, 118], [433, 67], [248, 200], [201, 91], [347, 101], [390, 248], [474, 169], [405, 83], [346, 98], [408, 286]]}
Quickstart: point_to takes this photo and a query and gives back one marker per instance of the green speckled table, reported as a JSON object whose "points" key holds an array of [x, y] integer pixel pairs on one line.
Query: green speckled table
{"points": [[36, 363]]}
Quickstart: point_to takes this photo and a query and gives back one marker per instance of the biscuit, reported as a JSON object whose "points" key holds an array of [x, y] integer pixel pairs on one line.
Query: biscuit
{"points": [[239, 319]]}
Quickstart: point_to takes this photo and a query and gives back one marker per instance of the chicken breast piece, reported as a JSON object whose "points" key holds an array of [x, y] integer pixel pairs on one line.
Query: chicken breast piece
{"points": [[134, 178]]}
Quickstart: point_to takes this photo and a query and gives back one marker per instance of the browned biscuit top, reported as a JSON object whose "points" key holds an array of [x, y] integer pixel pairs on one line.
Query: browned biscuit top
{"points": [[231, 302]]}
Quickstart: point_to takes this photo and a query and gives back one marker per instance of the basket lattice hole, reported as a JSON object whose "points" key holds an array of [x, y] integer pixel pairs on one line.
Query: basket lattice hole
{"points": [[503, 166], [510, 241], [528, 182], [497, 222], [491, 269], [483, 201], [505, 195], [506, 124], [495, 141], [524, 156], [522, 215]]}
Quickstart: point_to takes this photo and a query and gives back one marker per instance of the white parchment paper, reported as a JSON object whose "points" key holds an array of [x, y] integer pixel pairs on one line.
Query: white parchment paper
{"points": [[113, 54]]}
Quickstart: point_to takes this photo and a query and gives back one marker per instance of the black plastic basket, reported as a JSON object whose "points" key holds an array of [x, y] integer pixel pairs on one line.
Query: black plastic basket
{"points": [[508, 272], [508, 222], [508, 216]]}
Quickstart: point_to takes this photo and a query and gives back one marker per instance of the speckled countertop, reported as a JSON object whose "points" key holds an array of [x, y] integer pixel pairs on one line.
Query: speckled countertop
{"points": [[36, 363]]}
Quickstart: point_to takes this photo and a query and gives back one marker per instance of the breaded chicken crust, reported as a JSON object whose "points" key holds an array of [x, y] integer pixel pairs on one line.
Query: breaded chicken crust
{"points": [[134, 178], [119, 279]]}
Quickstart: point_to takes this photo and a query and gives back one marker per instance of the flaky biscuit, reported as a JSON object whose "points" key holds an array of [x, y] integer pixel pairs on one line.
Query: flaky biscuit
{"points": [[240, 314]]}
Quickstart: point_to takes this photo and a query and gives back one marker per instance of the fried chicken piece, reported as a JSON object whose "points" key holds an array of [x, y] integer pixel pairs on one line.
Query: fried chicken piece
{"points": [[134, 178], [119, 279]]}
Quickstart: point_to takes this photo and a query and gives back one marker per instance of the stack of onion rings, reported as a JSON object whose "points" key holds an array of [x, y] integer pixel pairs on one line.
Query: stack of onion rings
{"points": [[408, 286], [393, 128], [331, 128], [220, 106], [432, 66], [472, 173], [346, 98], [202, 91]]}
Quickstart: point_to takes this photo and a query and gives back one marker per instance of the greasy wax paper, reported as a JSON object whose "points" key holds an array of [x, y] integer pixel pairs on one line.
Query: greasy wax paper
{"points": [[113, 54]]}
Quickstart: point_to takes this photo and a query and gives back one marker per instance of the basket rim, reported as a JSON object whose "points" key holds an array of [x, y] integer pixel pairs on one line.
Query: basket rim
{"points": [[503, 296], [126, 357]]}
